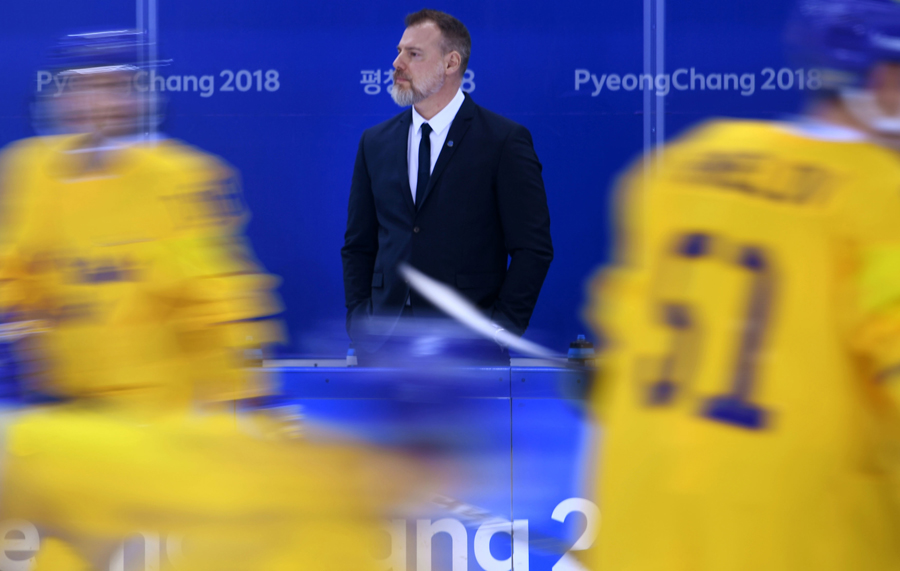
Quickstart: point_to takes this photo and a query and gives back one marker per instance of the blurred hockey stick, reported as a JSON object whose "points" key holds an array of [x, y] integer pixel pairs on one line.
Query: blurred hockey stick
{"points": [[15, 330], [459, 308], [456, 306]]}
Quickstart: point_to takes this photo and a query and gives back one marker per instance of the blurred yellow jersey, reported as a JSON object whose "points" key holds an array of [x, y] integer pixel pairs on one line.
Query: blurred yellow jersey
{"points": [[748, 395], [134, 259], [204, 495]]}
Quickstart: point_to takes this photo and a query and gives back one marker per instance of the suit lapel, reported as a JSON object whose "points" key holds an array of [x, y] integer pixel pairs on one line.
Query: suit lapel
{"points": [[457, 131], [399, 156]]}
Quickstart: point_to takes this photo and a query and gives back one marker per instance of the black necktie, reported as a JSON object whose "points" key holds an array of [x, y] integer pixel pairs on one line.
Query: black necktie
{"points": [[424, 163]]}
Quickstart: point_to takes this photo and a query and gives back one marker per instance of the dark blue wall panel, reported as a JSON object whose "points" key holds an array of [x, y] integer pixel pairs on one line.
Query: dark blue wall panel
{"points": [[295, 146]]}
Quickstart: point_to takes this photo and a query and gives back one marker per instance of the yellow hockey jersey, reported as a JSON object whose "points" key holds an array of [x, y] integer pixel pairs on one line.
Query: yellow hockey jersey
{"points": [[205, 495], [135, 261], [749, 392]]}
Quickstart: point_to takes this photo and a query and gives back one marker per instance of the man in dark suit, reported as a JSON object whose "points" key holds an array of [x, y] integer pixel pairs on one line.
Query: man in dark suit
{"points": [[447, 186]]}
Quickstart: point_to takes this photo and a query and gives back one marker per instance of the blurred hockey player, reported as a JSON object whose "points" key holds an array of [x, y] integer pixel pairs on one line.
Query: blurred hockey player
{"points": [[750, 389], [128, 251]]}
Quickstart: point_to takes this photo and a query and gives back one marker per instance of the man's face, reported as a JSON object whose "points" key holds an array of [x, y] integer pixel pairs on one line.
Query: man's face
{"points": [[100, 103], [420, 69]]}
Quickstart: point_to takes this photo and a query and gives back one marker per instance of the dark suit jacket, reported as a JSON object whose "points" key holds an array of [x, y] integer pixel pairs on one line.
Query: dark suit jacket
{"points": [[484, 206]]}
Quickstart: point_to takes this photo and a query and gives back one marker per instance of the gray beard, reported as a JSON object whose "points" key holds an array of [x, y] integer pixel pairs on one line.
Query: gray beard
{"points": [[411, 95], [404, 97]]}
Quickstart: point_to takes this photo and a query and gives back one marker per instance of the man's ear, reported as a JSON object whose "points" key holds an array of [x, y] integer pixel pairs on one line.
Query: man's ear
{"points": [[452, 61]]}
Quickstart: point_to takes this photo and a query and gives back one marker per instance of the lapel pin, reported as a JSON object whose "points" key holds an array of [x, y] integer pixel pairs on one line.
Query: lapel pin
{"points": [[449, 143]]}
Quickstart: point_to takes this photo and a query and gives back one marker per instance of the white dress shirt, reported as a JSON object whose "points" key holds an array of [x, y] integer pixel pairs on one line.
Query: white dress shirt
{"points": [[440, 125]]}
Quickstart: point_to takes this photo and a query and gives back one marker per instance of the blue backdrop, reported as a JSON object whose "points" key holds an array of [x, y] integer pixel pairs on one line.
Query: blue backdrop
{"points": [[292, 128]]}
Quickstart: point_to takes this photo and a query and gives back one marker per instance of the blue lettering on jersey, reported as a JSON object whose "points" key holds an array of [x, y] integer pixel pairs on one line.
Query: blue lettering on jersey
{"points": [[759, 176], [103, 270]]}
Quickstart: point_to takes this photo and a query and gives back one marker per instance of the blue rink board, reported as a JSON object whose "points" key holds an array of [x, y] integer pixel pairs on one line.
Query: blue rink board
{"points": [[518, 441]]}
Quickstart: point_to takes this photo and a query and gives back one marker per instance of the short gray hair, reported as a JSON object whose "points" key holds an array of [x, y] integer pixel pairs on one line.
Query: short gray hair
{"points": [[454, 33]]}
